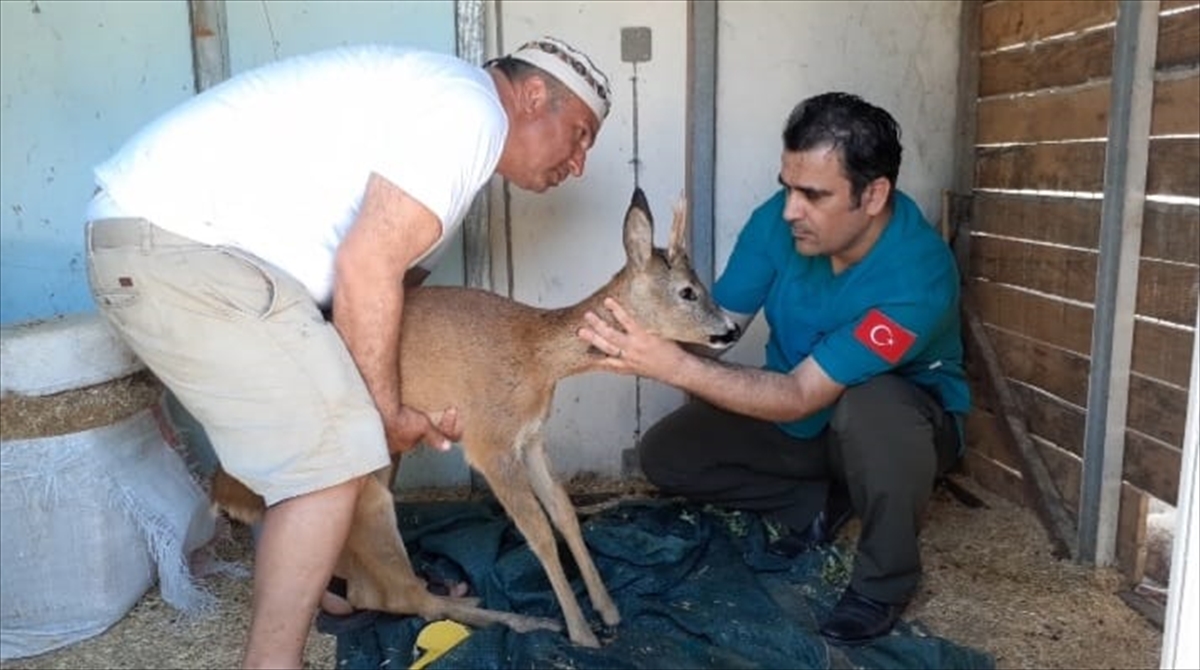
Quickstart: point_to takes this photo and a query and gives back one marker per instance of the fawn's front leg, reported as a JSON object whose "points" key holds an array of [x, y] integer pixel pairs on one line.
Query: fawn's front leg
{"points": [[558, 504], [509, 481]]}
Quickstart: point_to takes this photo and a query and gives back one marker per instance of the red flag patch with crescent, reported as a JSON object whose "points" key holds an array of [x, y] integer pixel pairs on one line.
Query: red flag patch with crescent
{"points": [[883, 336]]}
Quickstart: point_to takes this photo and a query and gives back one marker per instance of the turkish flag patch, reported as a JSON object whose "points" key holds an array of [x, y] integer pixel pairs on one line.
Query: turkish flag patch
{"points": [[883, 336]]}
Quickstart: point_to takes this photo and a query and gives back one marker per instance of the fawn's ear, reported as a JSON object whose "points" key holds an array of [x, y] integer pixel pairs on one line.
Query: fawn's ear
{"points": [[678, 245], [639, 231]]}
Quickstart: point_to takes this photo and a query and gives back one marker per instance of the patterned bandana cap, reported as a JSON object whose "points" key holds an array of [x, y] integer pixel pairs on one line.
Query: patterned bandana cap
{"points": [[571, 67]]}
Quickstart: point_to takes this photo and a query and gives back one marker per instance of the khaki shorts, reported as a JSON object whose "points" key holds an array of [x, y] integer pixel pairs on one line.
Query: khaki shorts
{"points": [[245, 349]]}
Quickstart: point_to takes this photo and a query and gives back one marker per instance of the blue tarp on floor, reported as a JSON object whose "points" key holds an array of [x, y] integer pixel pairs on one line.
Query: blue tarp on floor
{"points": [[694, 584]]}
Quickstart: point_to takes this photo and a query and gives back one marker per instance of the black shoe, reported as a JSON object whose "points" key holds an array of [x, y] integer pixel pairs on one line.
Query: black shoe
{"points": [[857, 619], [822, 531]]}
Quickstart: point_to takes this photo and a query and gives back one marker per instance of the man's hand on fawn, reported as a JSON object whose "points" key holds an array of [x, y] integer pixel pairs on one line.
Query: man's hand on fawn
{"points": [[438, 430], [630, 349]]}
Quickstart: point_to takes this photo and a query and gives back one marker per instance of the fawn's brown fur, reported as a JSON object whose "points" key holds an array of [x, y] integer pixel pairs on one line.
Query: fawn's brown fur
{"points": [[498, 362]]}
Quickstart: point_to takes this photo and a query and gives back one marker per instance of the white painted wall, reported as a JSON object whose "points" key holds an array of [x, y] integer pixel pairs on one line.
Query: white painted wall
{"points": [[80, 77], [902, 56], [567, 242], [76, 78], [266, 30]]}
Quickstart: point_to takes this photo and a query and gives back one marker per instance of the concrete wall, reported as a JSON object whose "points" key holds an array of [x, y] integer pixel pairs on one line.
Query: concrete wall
{"points": [[567, 243], [902, 56], [78, 78]]}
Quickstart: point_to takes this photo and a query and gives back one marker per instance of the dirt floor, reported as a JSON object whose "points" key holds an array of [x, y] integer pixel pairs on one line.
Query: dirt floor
{"points": [[991, 583]]}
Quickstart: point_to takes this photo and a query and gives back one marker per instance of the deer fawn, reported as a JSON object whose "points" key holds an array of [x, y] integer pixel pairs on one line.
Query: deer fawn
{"points": [[498, 362]]}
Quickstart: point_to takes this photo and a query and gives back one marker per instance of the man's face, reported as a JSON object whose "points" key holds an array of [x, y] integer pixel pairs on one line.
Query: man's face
{"points": [[820, 207], [552, 139]]}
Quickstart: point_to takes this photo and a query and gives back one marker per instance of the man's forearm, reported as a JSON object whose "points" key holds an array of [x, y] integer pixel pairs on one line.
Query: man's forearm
{"points": [[762, 394], [370, 326]]}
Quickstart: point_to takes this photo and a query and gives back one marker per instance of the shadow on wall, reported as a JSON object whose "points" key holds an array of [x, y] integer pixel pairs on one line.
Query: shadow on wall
{"points": [[42, 277]]}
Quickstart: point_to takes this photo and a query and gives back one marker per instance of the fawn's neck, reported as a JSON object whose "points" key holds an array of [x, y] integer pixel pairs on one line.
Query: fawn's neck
{"points": [[562, 351]]}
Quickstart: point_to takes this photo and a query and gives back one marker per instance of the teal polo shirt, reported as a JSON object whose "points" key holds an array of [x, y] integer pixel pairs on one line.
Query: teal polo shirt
{"points": [[895, 311]]}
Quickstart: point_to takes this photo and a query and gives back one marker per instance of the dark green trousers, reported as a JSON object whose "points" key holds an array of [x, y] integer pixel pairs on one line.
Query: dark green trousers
{"points": [[886, 443]]}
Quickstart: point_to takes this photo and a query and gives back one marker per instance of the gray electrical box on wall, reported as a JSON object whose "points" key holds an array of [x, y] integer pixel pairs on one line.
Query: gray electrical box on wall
{"points": [[635, 45]]}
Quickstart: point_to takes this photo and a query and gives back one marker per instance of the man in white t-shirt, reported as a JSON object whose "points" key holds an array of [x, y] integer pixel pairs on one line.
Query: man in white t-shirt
{"points": [[221, 230]]}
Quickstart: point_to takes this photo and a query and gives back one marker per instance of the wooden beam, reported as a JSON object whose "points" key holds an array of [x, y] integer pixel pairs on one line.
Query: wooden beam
{"points": [[1125, 169], [210, 43], [470, 41], [1047, 501], [956, 230]]}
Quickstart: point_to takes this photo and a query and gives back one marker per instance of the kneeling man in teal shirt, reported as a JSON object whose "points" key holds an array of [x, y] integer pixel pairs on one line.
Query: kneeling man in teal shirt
{"points": [[859, 404]]}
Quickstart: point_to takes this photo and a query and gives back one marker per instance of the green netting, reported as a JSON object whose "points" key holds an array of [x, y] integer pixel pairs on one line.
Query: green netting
{"points": [[695, 587]]}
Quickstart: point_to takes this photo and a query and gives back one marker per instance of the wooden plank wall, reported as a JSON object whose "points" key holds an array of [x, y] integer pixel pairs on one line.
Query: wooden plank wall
{"points": [[1042, 119]]}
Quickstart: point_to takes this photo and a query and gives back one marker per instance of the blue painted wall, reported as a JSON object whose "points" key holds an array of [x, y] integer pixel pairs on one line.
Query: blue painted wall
{"points": [[79, 77]]}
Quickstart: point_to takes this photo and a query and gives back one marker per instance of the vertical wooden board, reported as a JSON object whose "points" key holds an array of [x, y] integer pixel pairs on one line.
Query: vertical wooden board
{"points": [[981, 396], [1051, 420], [1003, 481], [1066, 471], [1156, 409], [1153, 466], [1178, 41], [966, 99], [1172, 5], [1168, 291], [1056, 371], [1162, 352], [1131, 534], [1075, 167], [985, 436], [1020, 21], [1062, 324], [1176, 100], [1174, 167], [1058, 271], [1171, 232], [1072, 114], [1069, 221], [1062, 63]]}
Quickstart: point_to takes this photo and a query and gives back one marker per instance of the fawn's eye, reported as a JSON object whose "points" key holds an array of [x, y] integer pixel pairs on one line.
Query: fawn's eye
{"points": [[688, 293]]}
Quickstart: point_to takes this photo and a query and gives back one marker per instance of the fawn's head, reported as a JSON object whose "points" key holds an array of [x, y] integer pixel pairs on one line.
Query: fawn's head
{"points": [[662, 290]]}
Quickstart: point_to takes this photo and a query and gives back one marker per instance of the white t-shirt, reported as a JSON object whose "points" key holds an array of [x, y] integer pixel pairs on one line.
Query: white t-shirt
{"points": [[275, 160]]}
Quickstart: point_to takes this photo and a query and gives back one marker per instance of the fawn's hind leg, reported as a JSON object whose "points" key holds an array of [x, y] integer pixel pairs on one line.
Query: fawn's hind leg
{"points": [[506, 475], [380, 576], [558, 505]]}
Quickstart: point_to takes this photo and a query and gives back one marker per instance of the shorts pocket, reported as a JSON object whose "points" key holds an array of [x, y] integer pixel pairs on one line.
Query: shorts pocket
{"points": [[238, 282], [112, 289]]}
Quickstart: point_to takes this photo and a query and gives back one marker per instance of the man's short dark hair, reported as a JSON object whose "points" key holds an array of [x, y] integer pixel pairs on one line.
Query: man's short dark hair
{"points": [[866, 137]]}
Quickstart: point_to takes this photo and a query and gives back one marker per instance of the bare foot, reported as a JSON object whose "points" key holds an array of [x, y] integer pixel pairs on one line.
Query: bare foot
{"points": [[335, 605]]}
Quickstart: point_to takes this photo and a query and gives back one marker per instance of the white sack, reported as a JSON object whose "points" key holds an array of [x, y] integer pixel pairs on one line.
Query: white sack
{"points": [[88, 522]]}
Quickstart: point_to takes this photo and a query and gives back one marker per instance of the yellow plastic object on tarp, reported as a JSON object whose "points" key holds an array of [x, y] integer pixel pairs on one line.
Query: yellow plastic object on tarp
{"points": [[436, 639]]}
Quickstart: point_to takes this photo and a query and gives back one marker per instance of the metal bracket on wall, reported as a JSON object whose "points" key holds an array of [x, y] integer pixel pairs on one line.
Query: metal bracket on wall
{"points": [[635, 48]]}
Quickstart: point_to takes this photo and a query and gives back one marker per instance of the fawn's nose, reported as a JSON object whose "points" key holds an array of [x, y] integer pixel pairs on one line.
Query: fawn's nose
{"points": [[727, 338]]}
